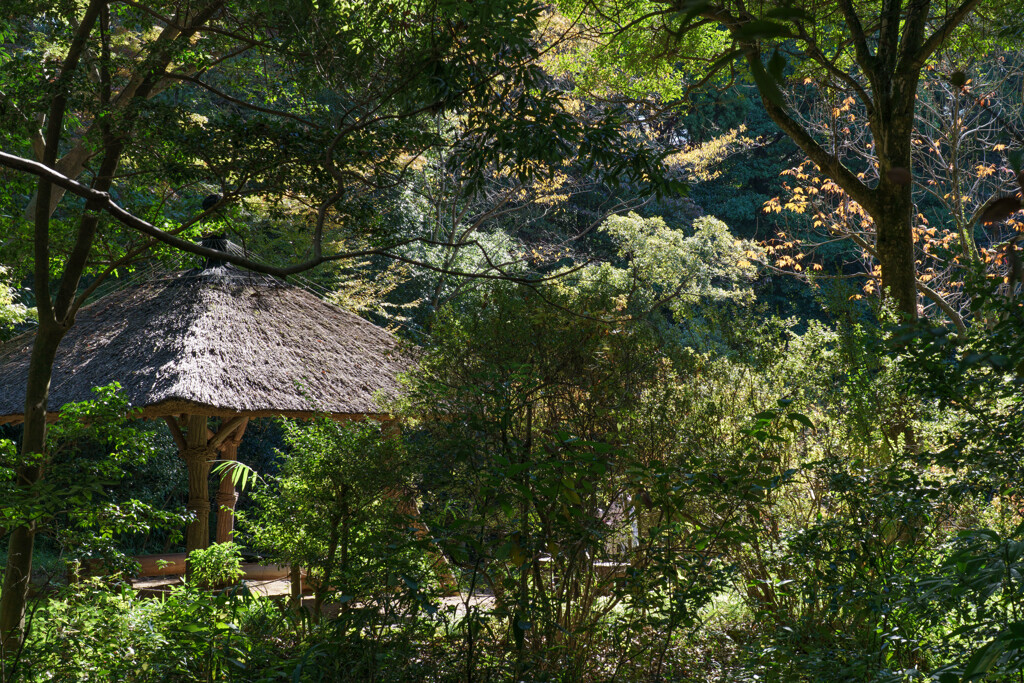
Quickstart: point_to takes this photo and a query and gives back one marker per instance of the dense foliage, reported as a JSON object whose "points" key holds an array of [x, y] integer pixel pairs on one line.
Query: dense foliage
{"points": [[769, 431]]}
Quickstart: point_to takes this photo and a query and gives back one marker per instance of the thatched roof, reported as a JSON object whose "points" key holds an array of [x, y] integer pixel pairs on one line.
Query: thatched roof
{"points": [[216, 341]]}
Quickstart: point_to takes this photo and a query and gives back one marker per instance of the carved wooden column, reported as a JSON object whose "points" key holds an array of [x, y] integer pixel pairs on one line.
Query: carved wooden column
{"points": [[197, 460], [198, 446], [227, 496]]}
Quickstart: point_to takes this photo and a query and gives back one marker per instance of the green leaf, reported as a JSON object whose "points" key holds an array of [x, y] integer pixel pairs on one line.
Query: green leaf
{"points": [[760, 29], [766, 85], [802, 419], [979, 664], [776, 66]]}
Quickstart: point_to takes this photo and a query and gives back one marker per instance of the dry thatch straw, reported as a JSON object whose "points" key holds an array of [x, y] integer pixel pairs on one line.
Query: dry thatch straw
{"points": [[216, 341]]}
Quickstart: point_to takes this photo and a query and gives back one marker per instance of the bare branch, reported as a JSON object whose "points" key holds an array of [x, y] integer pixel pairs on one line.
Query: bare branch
{"points": [[828, 162], [860, 40], [101, 201], [944, 305], [811, 45], [241, 103], [942, 34]]}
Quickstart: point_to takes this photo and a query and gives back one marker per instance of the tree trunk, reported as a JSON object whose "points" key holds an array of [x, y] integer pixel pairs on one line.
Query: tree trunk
{"points": [[325, 579], [892, 127], [894, 243], [22, 541], [71, 164], [295, 586]]}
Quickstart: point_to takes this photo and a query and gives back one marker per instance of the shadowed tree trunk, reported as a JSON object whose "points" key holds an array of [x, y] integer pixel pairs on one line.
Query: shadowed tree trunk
{"points": [[57, 313], [22, 541], [55, 317], [894, 244], [892, 208]]}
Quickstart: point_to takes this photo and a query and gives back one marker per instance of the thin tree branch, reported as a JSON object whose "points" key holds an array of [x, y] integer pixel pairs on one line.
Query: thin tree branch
{"points": [[102, 201], [941, 35], [811, 45], [241, 103], [866, 60]]}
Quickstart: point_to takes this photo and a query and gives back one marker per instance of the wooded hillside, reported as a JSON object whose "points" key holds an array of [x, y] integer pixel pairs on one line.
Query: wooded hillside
{"points": [[697, 356]]}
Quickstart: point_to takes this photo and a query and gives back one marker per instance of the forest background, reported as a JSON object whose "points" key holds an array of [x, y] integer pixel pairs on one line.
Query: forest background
{"points": [[718, 309]]}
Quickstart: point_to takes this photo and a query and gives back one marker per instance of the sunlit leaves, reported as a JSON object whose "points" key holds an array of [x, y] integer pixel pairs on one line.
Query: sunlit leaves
{"points": [[677, 269], [88, 450], [703, 162]]}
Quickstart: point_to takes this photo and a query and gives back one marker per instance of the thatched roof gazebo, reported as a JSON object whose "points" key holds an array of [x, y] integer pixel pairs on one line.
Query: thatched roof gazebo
{"points": [[215, 342]]}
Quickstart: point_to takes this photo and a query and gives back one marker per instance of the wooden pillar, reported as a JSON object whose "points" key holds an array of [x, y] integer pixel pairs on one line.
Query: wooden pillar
{"points": [[295, 583], [227, 496], [197, 460], [197, 447]]}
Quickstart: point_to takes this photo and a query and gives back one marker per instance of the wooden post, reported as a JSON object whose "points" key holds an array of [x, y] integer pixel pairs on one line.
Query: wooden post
{"points": [[197, 447], [295, 581], [227, 496], [197, 459]]}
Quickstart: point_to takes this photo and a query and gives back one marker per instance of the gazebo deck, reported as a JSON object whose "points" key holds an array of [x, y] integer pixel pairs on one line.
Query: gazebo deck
{"points": [[160, 586]]}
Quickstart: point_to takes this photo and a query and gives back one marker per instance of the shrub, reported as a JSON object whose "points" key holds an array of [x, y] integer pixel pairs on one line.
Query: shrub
{"points": [[218, 566]]}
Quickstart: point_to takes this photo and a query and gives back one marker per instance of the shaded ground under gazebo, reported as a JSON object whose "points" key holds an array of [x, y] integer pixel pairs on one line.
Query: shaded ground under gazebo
{"points": [[216, 342]]}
